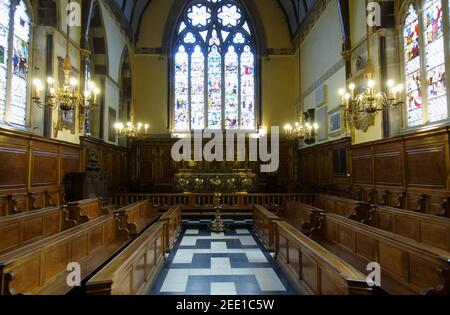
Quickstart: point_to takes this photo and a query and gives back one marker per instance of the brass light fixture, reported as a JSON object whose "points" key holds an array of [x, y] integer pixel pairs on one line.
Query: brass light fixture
{"points": [[68, 97], [131, 129], [300, 129], [361, 110]]}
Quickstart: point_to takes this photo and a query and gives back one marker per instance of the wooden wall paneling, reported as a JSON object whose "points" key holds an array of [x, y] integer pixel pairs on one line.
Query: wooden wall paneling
{"points": [[389, 164], [362, 165], [14, 157], [427, 160]]}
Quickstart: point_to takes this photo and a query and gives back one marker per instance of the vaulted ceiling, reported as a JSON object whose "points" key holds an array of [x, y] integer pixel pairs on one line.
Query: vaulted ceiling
{"points": [[131, 12]]}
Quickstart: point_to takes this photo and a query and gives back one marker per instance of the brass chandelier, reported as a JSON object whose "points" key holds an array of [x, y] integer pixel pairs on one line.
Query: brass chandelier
{"points": [[360, 110], [300, 129], [68, 97], [131, 129]]}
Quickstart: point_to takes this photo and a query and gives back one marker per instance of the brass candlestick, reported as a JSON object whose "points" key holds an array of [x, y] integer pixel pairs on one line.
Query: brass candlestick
{"points": [[217, 226]]}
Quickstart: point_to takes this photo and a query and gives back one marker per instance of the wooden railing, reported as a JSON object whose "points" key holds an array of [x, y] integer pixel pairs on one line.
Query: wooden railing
{"points": [[206, 200]]}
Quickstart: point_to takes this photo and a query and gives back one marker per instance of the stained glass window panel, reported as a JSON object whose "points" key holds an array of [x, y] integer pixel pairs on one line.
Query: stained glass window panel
{"points": [[214, 72], [197, 89], [231, 89], [181, 89], [411, 35], [214, 89], [435, 60], [4, 29], [18, 100], [247, 89], [19, 81]]}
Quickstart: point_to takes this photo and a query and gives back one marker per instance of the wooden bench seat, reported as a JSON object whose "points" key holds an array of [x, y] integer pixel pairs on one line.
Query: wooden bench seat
{"points": [[303, 217], [264, 225], [133, 271], [136, 217], [355, 210], [425, 228], [314, 269], [40, 268], [24, 228], [84, 210], [172, 219], [421, 268]]}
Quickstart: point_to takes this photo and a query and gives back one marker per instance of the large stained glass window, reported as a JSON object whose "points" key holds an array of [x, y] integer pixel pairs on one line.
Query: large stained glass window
{"points": [[4, 32], [14, 84], [412, 68], [214, 68], [426, 88], [19, 84]]}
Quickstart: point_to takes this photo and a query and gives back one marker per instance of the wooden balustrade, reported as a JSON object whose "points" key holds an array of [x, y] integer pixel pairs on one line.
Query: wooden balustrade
{"points": [[264, 225], [314, 269], [133, 271], [206, 200], [172, 220]]}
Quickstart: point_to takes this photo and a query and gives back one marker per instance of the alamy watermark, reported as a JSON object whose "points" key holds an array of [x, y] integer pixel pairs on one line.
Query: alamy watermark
{"points": [[214, 150]]}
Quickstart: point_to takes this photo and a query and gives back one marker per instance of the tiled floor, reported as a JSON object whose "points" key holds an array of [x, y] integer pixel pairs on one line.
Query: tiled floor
{"points": [[230, 263]]}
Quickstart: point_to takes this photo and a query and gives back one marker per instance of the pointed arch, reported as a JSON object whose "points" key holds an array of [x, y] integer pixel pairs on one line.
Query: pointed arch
{"points": [[215, 67]]}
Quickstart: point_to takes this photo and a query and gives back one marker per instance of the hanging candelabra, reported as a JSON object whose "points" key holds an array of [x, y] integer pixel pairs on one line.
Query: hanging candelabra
{"points": [[360, 110], [301, 130], [131, 129], [68, 97]]}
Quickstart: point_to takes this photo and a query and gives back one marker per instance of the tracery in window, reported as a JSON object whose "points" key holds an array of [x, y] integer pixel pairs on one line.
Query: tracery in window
{"points": [[214, 68]]}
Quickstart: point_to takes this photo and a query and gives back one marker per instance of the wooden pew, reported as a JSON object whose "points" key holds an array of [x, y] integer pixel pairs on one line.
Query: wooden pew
{"points": [[82, 211], [24, 228], [408, 267], [133, 271], [264, 225], [424, 228], [355, 210], [172, 219], [40, 268], [303, 217], [135, 218], [314, 269]]}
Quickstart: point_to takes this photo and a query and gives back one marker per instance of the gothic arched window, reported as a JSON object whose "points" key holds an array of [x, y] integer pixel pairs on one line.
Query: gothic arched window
{"points": [[426, 84], [214, 68], [14, 62]]}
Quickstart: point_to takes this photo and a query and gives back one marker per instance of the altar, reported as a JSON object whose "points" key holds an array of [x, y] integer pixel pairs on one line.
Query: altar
{"points": [[210, 181]]}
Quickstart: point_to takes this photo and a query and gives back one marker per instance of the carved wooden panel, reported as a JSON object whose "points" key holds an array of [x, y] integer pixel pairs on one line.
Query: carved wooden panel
{"points": [[14, 162], [426, 167], [44, 164]]}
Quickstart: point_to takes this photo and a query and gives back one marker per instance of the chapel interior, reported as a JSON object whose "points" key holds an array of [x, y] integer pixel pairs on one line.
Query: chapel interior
{"points": [[137, 139]]}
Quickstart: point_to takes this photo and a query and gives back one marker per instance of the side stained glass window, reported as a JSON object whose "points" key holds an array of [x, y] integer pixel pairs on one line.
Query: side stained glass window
{"points": [[426, 86], [435, 60], [214, 68], [17, 80], [4, 31], [411, 37]]}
